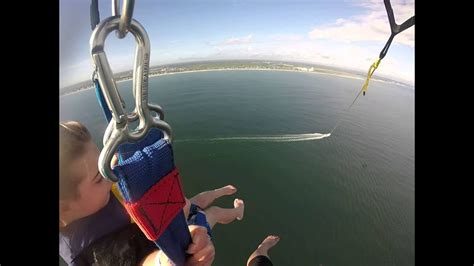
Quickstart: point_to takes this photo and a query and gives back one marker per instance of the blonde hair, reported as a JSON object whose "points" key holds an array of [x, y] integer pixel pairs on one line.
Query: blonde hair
{"points": [[73, 137]]}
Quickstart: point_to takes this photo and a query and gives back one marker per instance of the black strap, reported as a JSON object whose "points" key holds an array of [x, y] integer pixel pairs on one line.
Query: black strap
{"points": [[94, 12], [394, 27]]}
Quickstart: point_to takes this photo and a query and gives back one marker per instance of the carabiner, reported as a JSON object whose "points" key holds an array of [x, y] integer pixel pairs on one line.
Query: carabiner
{"points": [[118, 131]]}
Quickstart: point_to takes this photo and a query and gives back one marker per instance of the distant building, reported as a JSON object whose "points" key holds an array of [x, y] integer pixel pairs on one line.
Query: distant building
{"points": [[302, 68]]}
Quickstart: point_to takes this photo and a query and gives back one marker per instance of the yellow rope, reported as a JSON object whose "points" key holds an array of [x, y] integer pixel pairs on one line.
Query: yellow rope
{"points": [[372, 69]]}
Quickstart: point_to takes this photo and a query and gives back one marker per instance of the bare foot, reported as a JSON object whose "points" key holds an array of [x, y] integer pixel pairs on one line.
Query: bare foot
{"points": [[239, 205], [268, 243], [225, 191]]}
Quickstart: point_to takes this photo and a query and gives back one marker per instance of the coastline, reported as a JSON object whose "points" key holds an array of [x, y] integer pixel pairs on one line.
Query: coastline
{"points": [[346, 75]]}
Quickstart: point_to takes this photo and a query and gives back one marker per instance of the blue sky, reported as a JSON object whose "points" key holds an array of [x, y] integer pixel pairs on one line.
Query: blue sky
{"points": [[347, 34]]}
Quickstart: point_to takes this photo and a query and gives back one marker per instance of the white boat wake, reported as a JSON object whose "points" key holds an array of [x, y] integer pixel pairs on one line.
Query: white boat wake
{"points": [[274, 138]]}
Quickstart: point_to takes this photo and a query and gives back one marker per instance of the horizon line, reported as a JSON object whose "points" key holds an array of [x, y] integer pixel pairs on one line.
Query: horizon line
{"points": [[406, 82]]}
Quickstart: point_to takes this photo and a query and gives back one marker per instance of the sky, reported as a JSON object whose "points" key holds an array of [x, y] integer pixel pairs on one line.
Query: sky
{"points": [[347, 34]]}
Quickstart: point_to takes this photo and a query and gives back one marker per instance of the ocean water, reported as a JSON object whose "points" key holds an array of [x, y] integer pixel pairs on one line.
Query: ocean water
{"points": [[345, 199]]}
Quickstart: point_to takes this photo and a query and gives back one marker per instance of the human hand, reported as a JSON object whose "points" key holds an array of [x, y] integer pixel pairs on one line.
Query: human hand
{"points": [[201, 249]]}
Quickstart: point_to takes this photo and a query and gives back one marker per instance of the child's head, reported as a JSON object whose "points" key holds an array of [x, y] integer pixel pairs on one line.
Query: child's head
{"points": [[82, 189]]}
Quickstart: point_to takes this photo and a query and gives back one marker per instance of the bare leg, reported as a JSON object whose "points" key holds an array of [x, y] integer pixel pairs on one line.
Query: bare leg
{"points": [[204, 199], [224, 216], [262, 249]]}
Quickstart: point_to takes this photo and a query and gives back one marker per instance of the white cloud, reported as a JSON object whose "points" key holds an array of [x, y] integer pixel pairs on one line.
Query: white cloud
{"points": [[72, 74], [286, 37], [232, 48], [237, 41], [372, 26]]}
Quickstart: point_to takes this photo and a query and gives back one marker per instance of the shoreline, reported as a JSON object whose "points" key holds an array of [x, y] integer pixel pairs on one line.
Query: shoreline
{"points": [[348, 75]]}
